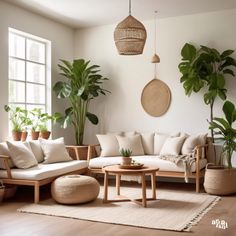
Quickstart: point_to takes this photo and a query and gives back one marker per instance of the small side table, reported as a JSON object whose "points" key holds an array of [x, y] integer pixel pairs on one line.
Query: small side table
{"points": [[115, 170]]}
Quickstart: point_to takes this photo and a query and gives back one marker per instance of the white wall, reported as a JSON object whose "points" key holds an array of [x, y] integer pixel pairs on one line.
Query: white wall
{"points": [[62, 38], [122, 110]]}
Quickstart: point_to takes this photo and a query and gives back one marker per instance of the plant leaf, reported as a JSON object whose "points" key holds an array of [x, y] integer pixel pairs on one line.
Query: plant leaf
{"points": [[92, 118], [188, 52]]}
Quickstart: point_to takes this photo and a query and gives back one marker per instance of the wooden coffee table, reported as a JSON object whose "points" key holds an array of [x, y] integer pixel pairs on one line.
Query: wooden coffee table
{"points": [[116, 170]]}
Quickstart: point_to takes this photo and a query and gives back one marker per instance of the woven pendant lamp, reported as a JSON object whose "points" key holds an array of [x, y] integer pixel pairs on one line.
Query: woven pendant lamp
{"points": [[130, 35]]}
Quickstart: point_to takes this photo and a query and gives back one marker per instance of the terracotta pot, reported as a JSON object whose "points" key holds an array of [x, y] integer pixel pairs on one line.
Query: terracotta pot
{"points": [[24, 136], [126, 160], [45, 134], [219, 180], [34, 135], [16, 135]]}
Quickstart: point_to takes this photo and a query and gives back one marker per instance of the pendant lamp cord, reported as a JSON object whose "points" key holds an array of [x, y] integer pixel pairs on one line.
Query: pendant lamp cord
{"points": [[130, 7], [155, 43], [155, 36]]}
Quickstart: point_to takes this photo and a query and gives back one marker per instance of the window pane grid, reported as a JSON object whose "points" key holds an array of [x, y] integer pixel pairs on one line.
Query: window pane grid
{"points": [[27, 71]]}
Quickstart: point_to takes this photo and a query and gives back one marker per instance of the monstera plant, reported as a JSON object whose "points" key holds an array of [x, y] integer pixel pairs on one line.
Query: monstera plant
{"points": [[206, 68], [83, 83]]}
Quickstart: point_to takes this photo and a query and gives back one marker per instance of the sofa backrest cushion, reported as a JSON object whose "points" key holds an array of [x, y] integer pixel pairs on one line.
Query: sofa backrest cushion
{"points": [[5, 151], [109, 145], [133, 143], [37, 150], [148, 143], [159, 140], [21, 154], [172, 146], [54, 151], [192, 141]]}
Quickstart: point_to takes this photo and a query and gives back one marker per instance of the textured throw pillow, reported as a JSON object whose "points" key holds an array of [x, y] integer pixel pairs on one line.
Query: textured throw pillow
{"points": [[133, 143], [21, 155], [172, 146], [192, 141], [148, 143], [54, 150], [37, 150], [5, 151], [109, 145], [159, 140]]}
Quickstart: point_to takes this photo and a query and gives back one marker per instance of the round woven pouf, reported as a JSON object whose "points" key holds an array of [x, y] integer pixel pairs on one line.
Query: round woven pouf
{"points": [[75, 189]]}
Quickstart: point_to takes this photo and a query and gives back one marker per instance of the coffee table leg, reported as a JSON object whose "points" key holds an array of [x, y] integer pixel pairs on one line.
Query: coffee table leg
{"points": [[105, 186], [144, 201], [118, 184], [153, 180]]}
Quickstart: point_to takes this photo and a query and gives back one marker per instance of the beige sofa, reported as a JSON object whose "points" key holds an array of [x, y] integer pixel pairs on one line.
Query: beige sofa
{"points": [[151, 156], [40, 174]]}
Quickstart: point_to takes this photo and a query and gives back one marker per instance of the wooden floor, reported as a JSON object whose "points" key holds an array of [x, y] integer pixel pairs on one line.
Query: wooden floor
{"points": [[14, 223]]}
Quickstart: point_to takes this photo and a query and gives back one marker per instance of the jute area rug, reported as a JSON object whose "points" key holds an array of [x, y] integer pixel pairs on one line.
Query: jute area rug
{"points": [[174, 210]]}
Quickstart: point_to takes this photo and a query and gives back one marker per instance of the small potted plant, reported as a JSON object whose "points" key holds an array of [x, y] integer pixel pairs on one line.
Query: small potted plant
{"points": [[220, 179], [126, 159], [18, 120], [43, 126], [36, 114]]}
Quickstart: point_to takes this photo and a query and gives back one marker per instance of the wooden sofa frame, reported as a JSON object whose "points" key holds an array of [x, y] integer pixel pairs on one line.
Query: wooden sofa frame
{"points": [[198, 152], [37, 183]]}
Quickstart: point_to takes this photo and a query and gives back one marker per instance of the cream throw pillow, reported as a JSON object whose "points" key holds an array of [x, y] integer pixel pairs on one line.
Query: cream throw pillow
{"points": [[192, 141], [159, 140], [37, 150], [54, 151], [21, 155], [109, 145], [172, 146], [133, 143], [148, 143], [5, 151]]}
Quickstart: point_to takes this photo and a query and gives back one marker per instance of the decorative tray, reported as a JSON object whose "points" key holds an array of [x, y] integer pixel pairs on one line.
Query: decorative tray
{"points": [[131, 166]]}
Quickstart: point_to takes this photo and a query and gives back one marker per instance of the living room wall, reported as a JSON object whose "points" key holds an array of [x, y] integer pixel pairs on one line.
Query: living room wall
{"points": [[122, 110], [62, 39]]}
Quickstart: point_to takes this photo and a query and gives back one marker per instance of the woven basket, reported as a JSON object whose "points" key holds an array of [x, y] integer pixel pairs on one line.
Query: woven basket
{"points": [[130, 36], [220, 181]]}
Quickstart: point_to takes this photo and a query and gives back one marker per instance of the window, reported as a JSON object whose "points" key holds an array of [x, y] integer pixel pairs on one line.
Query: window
{"points": [[29, 71]]}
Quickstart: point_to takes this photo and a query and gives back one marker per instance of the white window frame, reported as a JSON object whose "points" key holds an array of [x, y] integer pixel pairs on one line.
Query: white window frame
{"points": [[47, 65]]}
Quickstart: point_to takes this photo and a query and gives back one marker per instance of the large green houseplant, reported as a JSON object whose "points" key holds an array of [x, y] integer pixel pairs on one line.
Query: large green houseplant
{"points": [[206, 68], [83, 83], [222, 179]]}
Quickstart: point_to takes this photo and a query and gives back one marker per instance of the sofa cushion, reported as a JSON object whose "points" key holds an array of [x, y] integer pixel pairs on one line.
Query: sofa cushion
{"points": [[192, 141], [5, 151], [159, 140], [43, 171], [148, 143], [133, 143], [172, 146], [148, 160], [54, 151], [109, 145], [37, 150], [21, 154]]}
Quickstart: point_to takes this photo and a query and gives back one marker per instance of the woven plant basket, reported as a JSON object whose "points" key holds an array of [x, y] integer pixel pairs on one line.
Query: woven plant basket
{"points": [[130, 36], [220, 180]]}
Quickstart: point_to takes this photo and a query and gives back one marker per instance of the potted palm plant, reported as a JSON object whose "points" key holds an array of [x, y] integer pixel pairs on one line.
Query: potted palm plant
{"points": [[83, 83], [221, 179], [19, 120]]}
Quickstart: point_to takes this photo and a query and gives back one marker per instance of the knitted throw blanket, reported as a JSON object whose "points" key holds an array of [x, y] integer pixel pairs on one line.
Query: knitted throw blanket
{"points": [[186, 160]]}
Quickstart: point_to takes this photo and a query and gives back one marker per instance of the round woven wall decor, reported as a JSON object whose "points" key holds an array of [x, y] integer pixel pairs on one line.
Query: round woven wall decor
{"points": [[156, 97], [130, 36]]}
